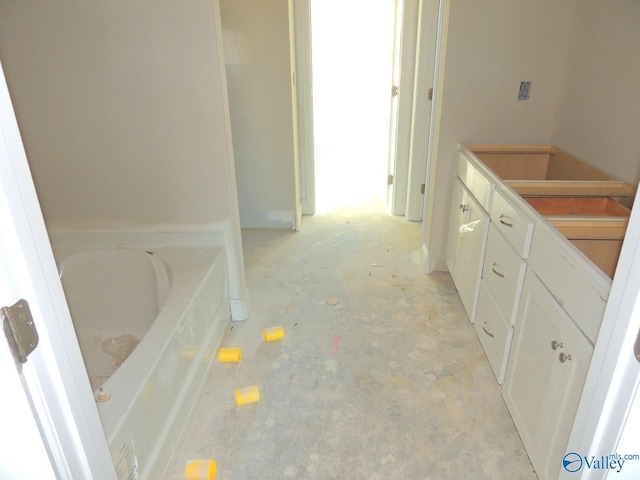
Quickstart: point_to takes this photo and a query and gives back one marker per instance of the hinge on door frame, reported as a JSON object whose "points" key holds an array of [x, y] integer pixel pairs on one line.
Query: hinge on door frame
{"points": [[18, 326], [394, 90], [422, 188], [390, 180], [431, 94]]}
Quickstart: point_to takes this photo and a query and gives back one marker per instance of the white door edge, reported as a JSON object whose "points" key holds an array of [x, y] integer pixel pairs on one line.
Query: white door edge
{"points": [[54, 376]]}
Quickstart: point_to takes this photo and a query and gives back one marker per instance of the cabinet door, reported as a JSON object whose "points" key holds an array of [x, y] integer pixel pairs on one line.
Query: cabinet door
{"points": [[493, 331], [541, 388], [466, 245]]}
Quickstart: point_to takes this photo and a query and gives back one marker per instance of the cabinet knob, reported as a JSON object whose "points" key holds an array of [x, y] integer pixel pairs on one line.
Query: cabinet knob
{"points": [[556, 345], [564, 357], [464, 208]]}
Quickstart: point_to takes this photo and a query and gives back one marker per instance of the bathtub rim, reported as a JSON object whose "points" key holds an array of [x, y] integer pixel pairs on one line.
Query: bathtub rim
{"points": [[217, 234]]}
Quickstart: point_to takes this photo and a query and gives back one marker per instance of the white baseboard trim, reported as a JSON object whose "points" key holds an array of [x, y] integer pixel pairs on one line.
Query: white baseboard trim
{"points": [[425, 258], [240, 307]]}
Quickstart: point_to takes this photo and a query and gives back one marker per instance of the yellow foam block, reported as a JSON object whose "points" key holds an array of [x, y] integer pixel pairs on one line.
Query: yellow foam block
{"points": [[273, 333], [229, 355], [247, 395], [200, 470]]}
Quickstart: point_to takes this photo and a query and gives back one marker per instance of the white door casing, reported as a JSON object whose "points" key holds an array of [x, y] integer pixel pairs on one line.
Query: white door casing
{"points": [[304, 98]]}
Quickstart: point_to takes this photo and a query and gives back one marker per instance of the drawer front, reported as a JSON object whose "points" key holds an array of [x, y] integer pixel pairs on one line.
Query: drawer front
{"points": [[513, 223], [478, 184], [494, 333], [503, 274], [575, 284]]}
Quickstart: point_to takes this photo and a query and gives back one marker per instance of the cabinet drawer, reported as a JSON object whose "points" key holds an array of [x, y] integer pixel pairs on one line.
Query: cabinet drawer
{"points": [[494, 333], [581, 289], [478, 184], [512, 222], [503, 274]]}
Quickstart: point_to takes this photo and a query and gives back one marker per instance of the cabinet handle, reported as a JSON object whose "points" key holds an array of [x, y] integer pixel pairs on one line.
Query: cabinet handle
{"points": [[564, 357], [504, 222], [493, 269], [487, 331], [556, 345], [464, 208]]}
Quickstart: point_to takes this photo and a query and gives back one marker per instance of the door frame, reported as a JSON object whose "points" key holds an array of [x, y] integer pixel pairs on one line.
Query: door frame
{"points": [[303, 83], [54, 377]]}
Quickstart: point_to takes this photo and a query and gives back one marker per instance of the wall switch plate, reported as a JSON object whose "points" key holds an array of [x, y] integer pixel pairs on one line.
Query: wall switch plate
{"points": [[525, 90]]}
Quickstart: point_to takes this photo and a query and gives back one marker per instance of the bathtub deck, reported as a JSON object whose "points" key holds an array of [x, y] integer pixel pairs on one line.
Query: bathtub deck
{"points": [[148, 399], [380, 375]]}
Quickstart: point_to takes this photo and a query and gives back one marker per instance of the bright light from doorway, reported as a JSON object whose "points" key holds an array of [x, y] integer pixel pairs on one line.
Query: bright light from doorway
{"points": [[352, 47]]}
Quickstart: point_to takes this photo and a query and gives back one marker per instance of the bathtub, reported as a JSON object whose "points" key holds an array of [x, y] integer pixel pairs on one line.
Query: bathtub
{"points": [[148, 321]]}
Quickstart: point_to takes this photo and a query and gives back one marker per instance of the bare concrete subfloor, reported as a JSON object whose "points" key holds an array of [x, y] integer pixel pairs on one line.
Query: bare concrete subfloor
{"points": [[380, 375]]}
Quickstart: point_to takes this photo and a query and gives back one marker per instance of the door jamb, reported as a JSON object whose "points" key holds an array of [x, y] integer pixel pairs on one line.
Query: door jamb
{"points": [[304, 84]]}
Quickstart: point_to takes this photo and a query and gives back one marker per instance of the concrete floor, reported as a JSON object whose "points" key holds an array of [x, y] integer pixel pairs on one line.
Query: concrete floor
{"points": [[380, 375]]}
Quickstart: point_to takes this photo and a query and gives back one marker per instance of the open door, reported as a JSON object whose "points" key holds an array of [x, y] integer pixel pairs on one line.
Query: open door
{"points": [[402, 92], [52, 386], [422, 115], [393, 120]]}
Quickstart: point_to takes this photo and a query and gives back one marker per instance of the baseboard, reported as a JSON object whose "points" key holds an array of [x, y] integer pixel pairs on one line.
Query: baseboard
{"points": [[425, 259], [240, 307]]}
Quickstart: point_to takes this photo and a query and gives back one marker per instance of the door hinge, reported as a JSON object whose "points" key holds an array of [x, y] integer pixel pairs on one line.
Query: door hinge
{"points": [[20, 331], [431, 94], [422, 188], [394, 91], [390, 180]]}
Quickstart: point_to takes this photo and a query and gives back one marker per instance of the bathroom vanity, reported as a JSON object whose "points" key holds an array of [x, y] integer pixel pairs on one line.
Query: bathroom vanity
{"points": [[535, 234]]}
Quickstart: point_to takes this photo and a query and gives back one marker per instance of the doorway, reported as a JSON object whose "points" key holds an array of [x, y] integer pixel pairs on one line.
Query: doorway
{"points": [[352, 44]]}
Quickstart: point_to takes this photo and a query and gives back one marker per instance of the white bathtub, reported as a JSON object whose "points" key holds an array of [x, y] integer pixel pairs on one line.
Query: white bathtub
{"points": [[174, 301]]}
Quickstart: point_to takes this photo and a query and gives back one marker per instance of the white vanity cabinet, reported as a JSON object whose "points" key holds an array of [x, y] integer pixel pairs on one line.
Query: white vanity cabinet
{"points": [[468, 227], [545, 376], [540, 297]]}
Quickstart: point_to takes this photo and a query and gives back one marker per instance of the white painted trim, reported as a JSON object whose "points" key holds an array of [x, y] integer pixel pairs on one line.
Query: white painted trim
{"points": [[436, 113], [240, 308], [425, 259], [304, 84], [232, 232], [139, 238]]}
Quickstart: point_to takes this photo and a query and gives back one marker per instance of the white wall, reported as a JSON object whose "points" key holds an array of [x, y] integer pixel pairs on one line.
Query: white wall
{"points": [[123, 111], [256, 41], [598, 115], [493, 45]]}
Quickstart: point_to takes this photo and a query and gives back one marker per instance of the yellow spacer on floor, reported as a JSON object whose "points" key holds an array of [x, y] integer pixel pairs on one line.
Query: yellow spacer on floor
{"points": [[200, 470], [230, 355], [247, 395], [273, 333]]}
